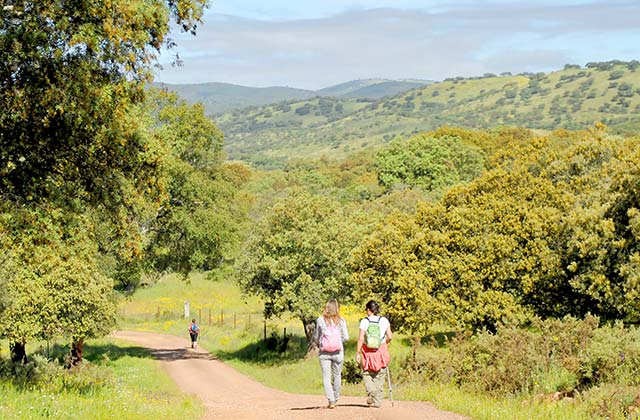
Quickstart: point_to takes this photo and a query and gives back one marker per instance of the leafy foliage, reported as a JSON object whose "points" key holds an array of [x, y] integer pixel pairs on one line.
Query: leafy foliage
{"points": [[80, 169], [428, 162], [567, 357], [69, 74], [201, 215], [297, 258], [550, 230], [51, 285]]}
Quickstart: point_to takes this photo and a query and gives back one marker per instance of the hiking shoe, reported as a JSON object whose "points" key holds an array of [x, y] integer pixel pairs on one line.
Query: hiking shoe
{"points": [[369, 401], [332, 405]]}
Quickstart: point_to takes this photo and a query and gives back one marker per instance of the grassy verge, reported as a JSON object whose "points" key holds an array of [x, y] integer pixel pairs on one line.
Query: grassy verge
{"points": [[481, 407], [119, 382]]}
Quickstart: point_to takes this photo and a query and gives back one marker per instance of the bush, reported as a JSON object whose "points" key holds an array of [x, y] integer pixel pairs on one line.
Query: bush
{"points": [[52, 376], [351, 372], [567, 356]]}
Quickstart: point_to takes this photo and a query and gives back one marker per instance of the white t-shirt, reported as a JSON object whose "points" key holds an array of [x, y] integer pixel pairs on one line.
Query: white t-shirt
{"points": [[384, 324]]}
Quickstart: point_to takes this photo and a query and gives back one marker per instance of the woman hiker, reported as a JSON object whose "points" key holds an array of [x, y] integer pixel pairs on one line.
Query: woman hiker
{"points": [[373, 351], [194, 331], [331, 333]]}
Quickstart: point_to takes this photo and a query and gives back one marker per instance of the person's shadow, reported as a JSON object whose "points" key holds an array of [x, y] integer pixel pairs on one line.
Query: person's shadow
{"points": [[324, 406]]}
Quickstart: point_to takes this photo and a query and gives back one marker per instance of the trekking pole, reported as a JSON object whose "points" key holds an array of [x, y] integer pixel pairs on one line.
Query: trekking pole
{"points": [[390, 387]]}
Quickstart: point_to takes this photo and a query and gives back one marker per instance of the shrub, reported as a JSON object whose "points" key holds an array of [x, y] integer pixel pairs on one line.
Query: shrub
{"points": [[567, 356], [613, 401], [351, 372], [50, 375]]}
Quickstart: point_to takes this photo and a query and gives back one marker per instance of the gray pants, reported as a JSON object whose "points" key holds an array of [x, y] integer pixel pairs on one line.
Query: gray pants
{"points": [[331, 366], [374, 383]]}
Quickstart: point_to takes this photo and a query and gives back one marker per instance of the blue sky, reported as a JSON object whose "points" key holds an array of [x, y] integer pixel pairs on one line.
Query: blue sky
{"points": [[315, 44]]}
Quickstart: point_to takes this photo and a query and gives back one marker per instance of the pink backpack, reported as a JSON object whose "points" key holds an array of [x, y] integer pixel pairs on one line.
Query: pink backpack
{"points": [[331, 339]]}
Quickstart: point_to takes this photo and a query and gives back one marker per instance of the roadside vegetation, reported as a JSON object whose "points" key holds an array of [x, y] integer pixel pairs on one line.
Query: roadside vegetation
{"points": [[116, 380]]}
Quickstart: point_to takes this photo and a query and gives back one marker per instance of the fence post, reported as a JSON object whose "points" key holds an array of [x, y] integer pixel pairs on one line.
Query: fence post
{"points": [[200, 315], [209, 316], [221, 317], [234, 320], [264, 330], [187, 313]]}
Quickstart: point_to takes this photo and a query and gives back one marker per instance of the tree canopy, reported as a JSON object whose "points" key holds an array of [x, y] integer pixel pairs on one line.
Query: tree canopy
{"points": [[431, 163], [81, 169], [551, 230], [297, 259], [69, 73]]}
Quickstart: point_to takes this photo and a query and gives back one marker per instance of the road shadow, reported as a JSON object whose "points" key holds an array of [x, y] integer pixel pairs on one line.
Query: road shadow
{"points": [[180, 354], [101, 352], [96, 353], [273, 351]]}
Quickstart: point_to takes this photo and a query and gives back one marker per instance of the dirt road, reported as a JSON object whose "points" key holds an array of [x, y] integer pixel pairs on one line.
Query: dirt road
{"points": [[227, 394]]}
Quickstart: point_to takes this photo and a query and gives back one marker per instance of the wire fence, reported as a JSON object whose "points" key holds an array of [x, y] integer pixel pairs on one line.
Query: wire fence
{"points": [[211, 317]]}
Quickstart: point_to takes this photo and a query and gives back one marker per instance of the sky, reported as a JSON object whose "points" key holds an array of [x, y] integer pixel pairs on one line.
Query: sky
{"points": [[311, 44]]}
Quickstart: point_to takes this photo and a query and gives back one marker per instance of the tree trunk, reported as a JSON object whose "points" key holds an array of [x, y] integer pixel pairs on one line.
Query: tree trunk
{"points": [[309, 332], [76, 351], [18, 352]]}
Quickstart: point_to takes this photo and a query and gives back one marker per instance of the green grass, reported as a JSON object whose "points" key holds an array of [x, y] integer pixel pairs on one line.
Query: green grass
{"points": [[120, 381], [244, 349]]}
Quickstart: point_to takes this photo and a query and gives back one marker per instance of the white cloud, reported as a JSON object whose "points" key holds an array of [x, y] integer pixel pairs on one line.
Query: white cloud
{"points": [[461, 40]]}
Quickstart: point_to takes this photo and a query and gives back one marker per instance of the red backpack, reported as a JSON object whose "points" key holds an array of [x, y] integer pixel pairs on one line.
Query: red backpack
{"points": [[331, 339]]}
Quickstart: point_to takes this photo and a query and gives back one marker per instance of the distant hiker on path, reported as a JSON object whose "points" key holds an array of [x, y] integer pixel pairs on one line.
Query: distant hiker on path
{"points": [[373, 351], [194, 331], [331, 332]]}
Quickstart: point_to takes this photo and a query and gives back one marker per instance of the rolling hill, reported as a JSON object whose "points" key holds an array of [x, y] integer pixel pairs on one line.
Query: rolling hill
{"points": [[573, 98], [221, 97]]}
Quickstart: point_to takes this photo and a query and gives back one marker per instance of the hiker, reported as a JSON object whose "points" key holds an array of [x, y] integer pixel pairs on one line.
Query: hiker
{"points": [[373, 351], [194, 331], [331, 333]]}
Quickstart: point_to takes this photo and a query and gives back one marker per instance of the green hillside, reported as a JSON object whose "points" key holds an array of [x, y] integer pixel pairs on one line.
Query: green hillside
{"points": [[254, 132], [221, 97], [572, 98]]}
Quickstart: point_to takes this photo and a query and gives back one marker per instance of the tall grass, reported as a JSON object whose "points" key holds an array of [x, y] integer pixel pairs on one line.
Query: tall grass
{"points": [[482, 407]]}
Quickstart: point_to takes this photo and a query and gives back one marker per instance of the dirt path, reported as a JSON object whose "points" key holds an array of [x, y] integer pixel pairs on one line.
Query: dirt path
{"points": [[228, 394]]}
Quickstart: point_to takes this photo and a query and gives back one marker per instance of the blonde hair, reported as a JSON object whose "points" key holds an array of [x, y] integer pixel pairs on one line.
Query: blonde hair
{"points": [[331, 312]]}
